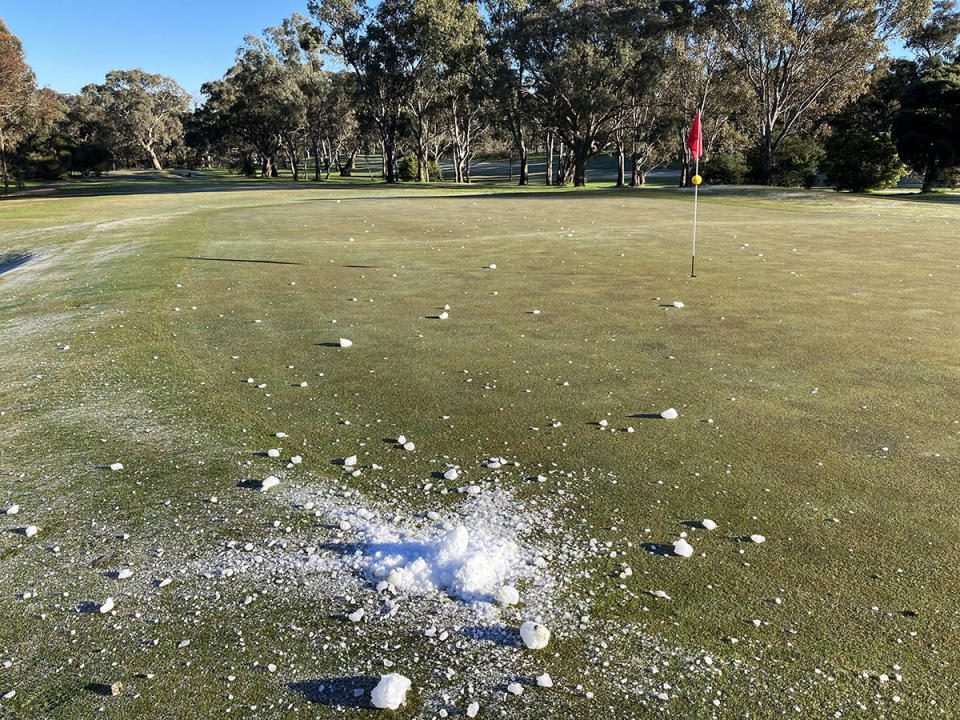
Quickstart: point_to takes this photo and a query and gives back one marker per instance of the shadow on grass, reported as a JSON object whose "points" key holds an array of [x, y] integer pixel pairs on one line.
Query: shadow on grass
{"points": [[648, 416], [498, 635], [237, 260], [13, 260], [337, 691]]}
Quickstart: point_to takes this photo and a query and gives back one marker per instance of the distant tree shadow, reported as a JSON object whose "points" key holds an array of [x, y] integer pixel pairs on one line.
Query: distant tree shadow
{"points": [[337, 691], [237, 260]]}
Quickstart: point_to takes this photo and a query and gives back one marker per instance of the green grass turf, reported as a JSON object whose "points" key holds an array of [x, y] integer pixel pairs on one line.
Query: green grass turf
{"points": [[815, 368]]}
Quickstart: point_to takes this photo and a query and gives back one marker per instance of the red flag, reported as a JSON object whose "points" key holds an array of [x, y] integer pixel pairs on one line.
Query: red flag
{"points": [[695, 138]]}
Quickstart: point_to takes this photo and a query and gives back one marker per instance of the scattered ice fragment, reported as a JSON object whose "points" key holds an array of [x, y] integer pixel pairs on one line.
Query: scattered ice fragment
{"points": [[345, 343], [677, 304], [708, 524], [444, 315], [116, 466], [10, 695], [409, 446], [660, 594], [492, 266], [350, 461], [508, 595], [124, 573], [13, 510], [183, 643], [401, 439], [682, 548], [107, 606], [273, 452], [282, 435], [356, 616], [391, 692], [269, 482], [472, 709], [603, 423], [515, 689], [758, 538], [669, 414], [163, 583], [296, 459], [451, 474], [303, 384], [31, 530], [271, 667], [544, 680], [536, 312], [534, 635]]}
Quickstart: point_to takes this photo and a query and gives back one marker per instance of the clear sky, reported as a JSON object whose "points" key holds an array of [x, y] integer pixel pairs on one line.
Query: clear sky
{"points": [[71, 43]]}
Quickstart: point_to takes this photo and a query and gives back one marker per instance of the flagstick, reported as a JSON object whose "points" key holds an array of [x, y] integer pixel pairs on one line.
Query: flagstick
{"points": [[693, 256]]}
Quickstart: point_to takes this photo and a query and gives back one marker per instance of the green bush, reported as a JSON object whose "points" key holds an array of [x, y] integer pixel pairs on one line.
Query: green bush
{"points": [[407, 168], [795, 163], [858, 160], [724, 169]]}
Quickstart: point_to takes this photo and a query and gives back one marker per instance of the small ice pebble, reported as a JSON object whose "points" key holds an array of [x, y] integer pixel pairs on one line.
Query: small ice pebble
{"points": [[273, 452], [345, 343], [670, 414], [107, 606], [544, 680], [391, 692], [515, 689], [116, 466], [269, 482], [534, 635], [350, 461], [677, 304], [508, 595], [409, 446], [31, 530], [758, 539], [708, 524], [472, 709]]}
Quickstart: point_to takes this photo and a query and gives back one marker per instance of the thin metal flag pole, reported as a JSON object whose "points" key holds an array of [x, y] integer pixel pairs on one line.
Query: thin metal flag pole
{"points": [[696, 189]]}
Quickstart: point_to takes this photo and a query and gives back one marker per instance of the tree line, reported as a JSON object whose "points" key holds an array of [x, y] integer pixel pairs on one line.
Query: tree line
{"points": [[788, 89]]}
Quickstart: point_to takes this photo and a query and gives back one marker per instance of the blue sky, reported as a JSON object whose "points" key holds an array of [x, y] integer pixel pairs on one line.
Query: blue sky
{"points": [[70, 44]]}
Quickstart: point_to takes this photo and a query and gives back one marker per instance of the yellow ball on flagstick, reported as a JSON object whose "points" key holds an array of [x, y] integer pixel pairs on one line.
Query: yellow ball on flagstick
{"points": [[696, 179]]}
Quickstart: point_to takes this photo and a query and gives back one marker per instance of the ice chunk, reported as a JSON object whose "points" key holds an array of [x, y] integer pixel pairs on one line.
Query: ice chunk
{"points": [[391, 692], [758, 538], [273, 452], [708, 524], [356, 616], [677, 304], [492, 266], [116, 466], [345, 343], [472, 709], [269, 482], [401, 439], [107, 606], [444, 315], [409, 446], [451, 474], [669, 414], [31, 530], [515, 689], [682, 548], [544, 680], [13, 509], [124, 573], [508, 595], [296, 459], [350, 461], [534, 635]]}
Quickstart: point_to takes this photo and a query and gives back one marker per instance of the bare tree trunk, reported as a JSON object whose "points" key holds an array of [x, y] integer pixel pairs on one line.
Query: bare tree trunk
{"points": [[154, 159], [548, 174], [3, 163], [635, 177], [316, 160], [580, 157], [524, 166], [267, 166], [620, 166]]}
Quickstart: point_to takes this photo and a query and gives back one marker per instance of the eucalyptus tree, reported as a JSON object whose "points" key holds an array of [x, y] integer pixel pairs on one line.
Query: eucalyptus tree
{"points": [[18, 97], [143, 111], [808, 56]]}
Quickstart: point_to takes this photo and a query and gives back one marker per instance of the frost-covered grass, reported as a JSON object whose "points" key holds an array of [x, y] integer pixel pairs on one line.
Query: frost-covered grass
{"points": [[813, 365]]}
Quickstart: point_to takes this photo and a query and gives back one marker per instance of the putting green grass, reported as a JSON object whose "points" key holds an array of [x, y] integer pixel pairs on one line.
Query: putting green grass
{"points": [[815, 367]]}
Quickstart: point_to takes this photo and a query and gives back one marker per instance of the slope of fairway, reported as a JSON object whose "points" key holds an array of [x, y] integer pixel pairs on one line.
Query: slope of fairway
{"points": [[177, 327]]}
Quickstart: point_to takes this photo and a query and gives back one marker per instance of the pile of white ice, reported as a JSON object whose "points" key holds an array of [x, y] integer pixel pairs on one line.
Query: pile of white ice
{"points": [[475, 559]]}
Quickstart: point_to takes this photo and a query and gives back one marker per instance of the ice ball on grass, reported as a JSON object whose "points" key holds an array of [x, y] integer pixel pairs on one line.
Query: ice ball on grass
{"points": [[708, 524], [758, 539], [508, 595], [124, 573], [345, 343], [444, 315], [107, 606], [682, 548], [409, 446], [391, 692], [350, 461], [677, 304], [296, 459], [472, 709], [13, 509], [116, 466], [451, 474], [669, 414], [401, 439], [356, 616], [269, 482], [515, 689], [492, 266], [544, 681], [534, 635], [273, 452], [31, 530]]}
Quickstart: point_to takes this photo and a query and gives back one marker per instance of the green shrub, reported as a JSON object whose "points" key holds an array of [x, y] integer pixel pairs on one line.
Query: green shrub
{"points": [[407, 168], [724, 169], [795, 163], [858, 160]]}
